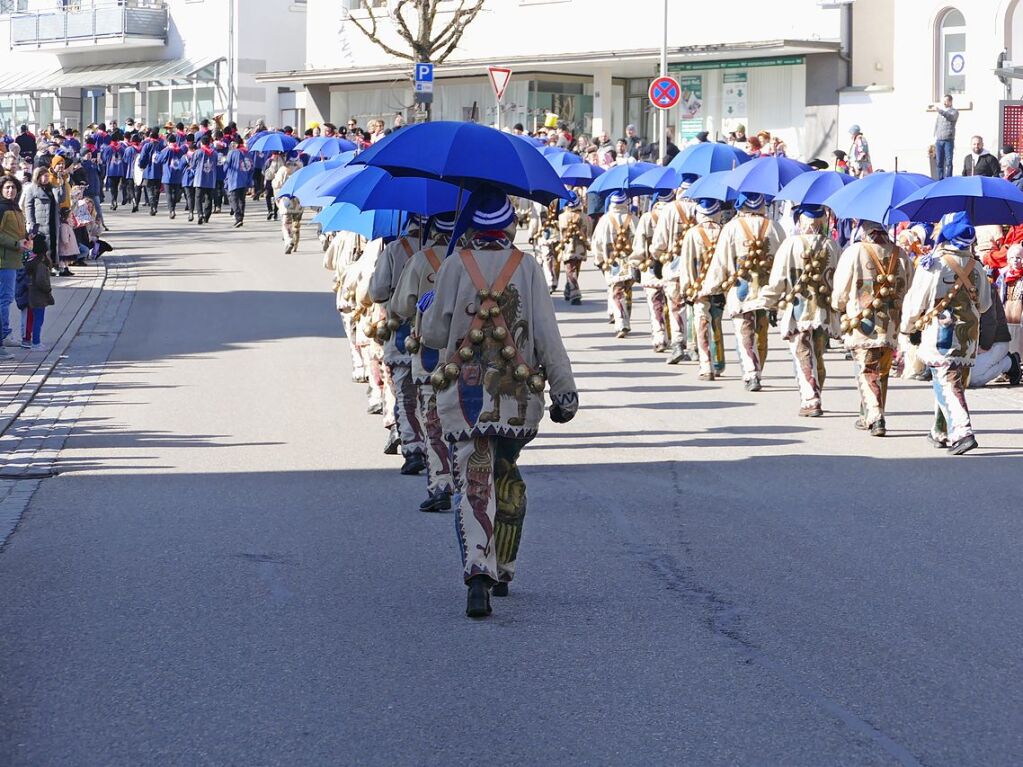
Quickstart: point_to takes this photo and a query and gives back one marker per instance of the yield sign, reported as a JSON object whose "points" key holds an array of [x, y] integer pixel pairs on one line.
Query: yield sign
{"points": [[499, 77], [665, 92]]}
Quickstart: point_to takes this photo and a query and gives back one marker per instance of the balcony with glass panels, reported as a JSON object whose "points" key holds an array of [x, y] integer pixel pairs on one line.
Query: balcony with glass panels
{"points": [[91, 23]]}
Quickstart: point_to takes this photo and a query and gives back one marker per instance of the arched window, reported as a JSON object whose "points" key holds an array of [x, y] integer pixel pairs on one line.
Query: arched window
{"points": [[951, 49]]}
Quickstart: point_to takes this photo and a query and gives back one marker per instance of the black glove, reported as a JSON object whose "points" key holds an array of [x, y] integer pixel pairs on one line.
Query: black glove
{"points": [[915, 337], [718, 300], [772, 318], [560, 415]]}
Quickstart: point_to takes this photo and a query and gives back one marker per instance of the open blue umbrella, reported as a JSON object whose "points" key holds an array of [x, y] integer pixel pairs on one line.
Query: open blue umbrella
{"points": [[766, 175], [984, 200], [813, 188], [304, 175], [660, 179], [531, 140], [468, 155], [623, 178], [274, 142], [701, 159], [713, 186], [874, 197], [371, 224], [580, 174], [325, 146], [561, 158], [374, 189]]}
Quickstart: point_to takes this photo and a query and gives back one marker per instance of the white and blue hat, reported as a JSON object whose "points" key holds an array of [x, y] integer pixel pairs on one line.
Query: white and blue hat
{"points": [[618, 197], [957, 230], [665, 196], [493, 211], [444, 222], [751, 200], [708, 206]]}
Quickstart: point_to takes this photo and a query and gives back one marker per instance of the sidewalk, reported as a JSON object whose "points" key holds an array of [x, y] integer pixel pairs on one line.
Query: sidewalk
{"points": [[26, 372]]}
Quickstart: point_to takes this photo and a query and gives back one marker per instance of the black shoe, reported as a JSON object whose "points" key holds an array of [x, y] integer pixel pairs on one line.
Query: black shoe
{"points": [[391, 448], [1015, 369], [152, 211], [964, 445], [576, 302], [79, 262], [439, 502], [499, 590], [191, 217], [414, 464], [269, 216], [477, 604], [173, 215], [877, 429], [675, 355], [134, 208], [216, 210], [238, 224], [939, 444], [113, 206], [686, 357], [65, 272]]}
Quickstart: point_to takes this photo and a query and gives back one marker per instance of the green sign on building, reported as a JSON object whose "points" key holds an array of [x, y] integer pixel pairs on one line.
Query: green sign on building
{"points": [[776, 61]]}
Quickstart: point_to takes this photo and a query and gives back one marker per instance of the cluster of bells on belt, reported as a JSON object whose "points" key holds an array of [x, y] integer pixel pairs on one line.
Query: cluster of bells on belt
{"points": [[755, 258], [884, 293], [693, 291], [442, 377], [939, 307], [384, 329], [808, 284]]}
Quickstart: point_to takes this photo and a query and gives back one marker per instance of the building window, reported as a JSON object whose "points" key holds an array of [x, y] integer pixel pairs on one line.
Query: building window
{"points": [[951, 47]]}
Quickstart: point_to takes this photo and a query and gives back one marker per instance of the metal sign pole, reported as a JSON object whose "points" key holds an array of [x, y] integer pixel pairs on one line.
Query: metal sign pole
{"points": [[664, 73]]}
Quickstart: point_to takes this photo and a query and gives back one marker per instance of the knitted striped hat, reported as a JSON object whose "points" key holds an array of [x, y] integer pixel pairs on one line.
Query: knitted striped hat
{"points": [[708, 206], [618, 197], [494, 211]]}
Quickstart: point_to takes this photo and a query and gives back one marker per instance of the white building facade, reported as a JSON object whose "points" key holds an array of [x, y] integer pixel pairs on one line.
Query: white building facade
{"points": [[592, 65], [907, 54], [76, 62]]}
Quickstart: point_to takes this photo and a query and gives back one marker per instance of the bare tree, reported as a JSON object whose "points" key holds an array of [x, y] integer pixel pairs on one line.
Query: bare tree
{"points": [[414, 21]]}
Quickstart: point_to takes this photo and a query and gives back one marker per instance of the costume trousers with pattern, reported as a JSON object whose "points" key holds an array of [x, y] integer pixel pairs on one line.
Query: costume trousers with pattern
{"points": [[746, 344], [406, 409], [551, 263], [708, 336], [808, 359], [490, 504], [872, 369], [572, 290], [679, 325], [379, 380], [358, 366], [619, 304], [951, 413], [657, 302], [438, 455]]}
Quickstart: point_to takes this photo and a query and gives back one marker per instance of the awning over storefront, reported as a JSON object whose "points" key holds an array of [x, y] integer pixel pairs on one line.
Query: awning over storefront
{"points": [[106, 75]]}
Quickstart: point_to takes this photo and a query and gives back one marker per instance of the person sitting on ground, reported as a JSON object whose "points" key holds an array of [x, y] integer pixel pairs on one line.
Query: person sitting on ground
{"points": [[994, 355]]}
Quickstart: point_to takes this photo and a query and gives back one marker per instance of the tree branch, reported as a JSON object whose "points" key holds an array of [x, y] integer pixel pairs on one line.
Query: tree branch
{"points": [[452, 33], [371, 34]]}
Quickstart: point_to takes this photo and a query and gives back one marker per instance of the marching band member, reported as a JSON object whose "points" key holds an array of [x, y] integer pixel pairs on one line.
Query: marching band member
{"points": [[571, 243], [698, 249], [672, 227], [650, 270], [612, 246]]}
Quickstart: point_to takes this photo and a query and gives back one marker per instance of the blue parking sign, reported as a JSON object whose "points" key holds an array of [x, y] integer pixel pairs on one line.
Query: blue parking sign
{"points": [[424, 73]]}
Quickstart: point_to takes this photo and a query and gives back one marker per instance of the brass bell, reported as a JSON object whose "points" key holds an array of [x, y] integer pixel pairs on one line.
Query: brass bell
{"points": [[536, 383], [498, 297], [877, 303], [881, 315], [521, 373], [919, 324], [495, 310], [412, 345], [383, 334], [823, 290], [438, 380], [783, 304], [451, 371], [846, 326], [476, 335], [393, 324], [810, 290], [466, 354], [500, 332], [816, 263], [484, 294], [868, 313], [885, 292], [509, 352]]}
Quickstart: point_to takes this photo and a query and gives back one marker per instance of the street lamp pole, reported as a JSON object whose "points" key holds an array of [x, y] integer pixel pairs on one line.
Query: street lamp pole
{"points": [[663, 127]]}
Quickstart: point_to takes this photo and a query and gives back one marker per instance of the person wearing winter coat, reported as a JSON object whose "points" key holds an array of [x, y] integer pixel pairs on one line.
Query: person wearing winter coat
{"points": [[941, 313], [152, 168], [112, 157], [204, 177], [980, 162], [67, 244], [238, 178], [274, 164], [13, 242], [34, 294], [41, 215], [172, 160]]}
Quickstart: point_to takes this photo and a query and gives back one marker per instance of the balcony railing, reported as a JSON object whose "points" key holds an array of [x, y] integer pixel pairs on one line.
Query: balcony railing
{"points": [[87, 23]]}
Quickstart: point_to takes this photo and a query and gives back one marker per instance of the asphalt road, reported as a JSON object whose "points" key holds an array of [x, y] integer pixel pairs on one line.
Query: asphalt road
{"points": [[229, 571]]}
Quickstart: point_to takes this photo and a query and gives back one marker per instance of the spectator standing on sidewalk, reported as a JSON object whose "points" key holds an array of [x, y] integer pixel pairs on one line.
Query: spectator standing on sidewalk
{"points": [[859, 154], [945, 136], [41, 215], [13, 234], [980, 162], [34, 294]]}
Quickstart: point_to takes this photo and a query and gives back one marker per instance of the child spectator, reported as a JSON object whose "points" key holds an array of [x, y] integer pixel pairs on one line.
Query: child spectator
{"points": [[67, 243], [34, 294]]}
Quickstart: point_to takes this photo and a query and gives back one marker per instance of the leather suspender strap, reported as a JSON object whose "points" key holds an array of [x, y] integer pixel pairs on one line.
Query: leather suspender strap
{"points": [[964, 276], [503, 278], [872, 252], [707, 241], [408, 248], [431, 256]]}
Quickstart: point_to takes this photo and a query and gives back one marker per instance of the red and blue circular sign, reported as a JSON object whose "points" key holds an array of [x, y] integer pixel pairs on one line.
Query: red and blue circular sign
{"points": [[665, 92]]}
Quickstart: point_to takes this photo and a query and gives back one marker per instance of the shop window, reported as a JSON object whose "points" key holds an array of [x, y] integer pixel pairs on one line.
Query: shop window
{"points": [[951, 50]]}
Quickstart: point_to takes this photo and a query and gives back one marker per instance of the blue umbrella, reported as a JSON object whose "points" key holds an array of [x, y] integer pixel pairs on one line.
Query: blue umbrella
{"points": [[623, 178], [274, 142], [304, 175], [813, 188], [579, 174], [874, 197], [324, 146], [766, 175], [561, 158], [552, 151], [984, 200], [713, 186], [531, 140], [469, 155], [701, 159], [660, 179], [371, 224], [374, 189]]}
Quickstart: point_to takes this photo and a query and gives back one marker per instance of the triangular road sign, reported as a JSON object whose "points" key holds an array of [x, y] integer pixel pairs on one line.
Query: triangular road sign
{"points": [[499, 77]]}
